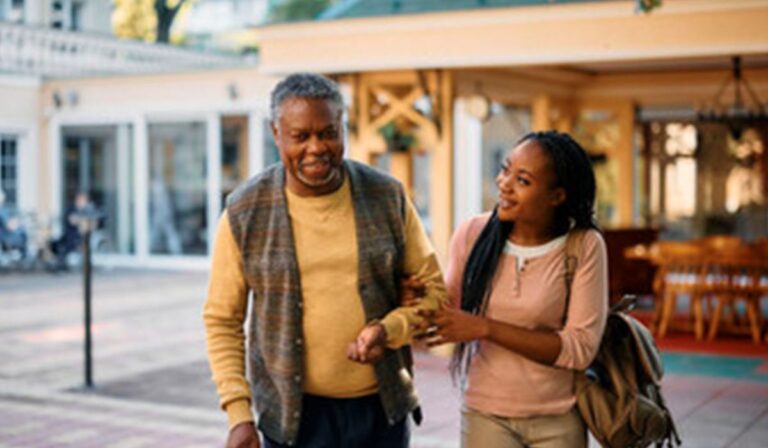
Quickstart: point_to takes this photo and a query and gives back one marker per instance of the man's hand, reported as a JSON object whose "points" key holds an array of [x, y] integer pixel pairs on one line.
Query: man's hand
{"points": [[369, 346], [243, 435], [412, 290]]}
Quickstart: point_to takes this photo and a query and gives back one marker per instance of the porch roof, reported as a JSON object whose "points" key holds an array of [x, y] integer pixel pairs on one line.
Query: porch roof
{"points": [[588, 35], [369, 8]]}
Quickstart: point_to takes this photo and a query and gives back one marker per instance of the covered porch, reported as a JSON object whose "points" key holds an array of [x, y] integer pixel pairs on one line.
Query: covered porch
{"points": [[437, 97]]}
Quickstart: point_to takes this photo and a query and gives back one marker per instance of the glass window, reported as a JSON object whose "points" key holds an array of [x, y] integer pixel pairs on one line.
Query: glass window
{"points": [[701, 181], [98, 161], [76, 17], [271, 152], [9, 171], [598, 131], [500, 132], [234, 154], [12, 11], [177, 189], [680, 179]]}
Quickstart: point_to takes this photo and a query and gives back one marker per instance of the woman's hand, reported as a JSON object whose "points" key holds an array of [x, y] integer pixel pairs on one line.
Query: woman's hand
{"points": [[453, 325]]}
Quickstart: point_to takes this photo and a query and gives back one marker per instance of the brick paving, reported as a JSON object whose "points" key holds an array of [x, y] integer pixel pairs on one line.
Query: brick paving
{"points": [[152, 379]]}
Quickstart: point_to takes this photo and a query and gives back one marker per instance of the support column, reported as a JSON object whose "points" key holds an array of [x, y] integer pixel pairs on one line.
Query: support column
{"points": [[467, 154], [763, 131], [401, 168], [213, 168], [441, 175], [540, 120], [385, 98], [359, 143], [141, 186], [566, 116], [123, 189], [625, 158]]}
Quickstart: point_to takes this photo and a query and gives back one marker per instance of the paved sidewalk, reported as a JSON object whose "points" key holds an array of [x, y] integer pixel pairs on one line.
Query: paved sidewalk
{"points": [[153, 387]]}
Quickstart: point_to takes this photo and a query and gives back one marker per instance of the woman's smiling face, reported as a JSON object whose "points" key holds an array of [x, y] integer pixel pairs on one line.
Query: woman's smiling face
{"points": [[528, 191]]}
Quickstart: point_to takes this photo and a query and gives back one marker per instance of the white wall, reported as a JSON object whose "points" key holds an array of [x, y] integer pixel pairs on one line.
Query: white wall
{"points": [[142, 100], [20, 117], [97, 16]]}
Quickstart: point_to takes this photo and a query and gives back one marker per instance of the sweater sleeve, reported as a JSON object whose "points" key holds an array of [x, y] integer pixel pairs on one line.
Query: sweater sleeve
{"points": [[420, 260], [224, 315], [588, 308]]}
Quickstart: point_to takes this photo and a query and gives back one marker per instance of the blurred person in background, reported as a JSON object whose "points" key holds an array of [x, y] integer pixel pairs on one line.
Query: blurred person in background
{"points": [[13, 236], [71, 237]]}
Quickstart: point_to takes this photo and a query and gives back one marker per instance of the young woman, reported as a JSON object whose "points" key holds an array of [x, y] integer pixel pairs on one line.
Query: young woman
{"points": [[515, 356]]}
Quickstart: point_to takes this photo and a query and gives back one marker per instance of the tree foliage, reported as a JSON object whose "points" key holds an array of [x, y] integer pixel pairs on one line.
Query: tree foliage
{"points": [[647, 6], [147, 20], [294, 10]]}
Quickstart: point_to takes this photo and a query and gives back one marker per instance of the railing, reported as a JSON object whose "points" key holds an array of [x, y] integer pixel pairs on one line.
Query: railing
{"points": [[55, 53]]}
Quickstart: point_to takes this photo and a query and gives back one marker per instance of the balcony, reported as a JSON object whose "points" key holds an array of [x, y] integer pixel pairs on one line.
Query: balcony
{"points": [[26, 50]]}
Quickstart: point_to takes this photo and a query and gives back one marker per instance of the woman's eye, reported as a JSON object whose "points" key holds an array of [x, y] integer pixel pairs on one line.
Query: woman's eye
{"points": [[522, 181], [504, 168]]}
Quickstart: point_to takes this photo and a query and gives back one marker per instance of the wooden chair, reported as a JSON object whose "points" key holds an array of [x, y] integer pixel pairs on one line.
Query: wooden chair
{"points": [[761, 248], [717, 280], [720, 243], [680, 271], [743, 269]]}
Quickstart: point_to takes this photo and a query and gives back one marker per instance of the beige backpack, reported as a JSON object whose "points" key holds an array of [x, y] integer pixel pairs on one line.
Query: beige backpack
{"points": [[619, 395]]}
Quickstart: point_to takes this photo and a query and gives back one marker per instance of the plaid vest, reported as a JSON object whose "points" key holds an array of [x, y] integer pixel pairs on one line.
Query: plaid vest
{"points": [[262, 229]]}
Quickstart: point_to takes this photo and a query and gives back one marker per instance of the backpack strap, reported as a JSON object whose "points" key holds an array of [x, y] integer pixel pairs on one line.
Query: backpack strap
{"points": [[573, 246]]}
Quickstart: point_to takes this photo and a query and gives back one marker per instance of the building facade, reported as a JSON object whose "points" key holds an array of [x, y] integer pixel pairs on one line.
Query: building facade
{"points": [[628, 84], [155, 135], [158, 136]]}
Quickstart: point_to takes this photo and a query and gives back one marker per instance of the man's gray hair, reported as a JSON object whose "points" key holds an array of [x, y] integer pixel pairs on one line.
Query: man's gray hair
{"points": [[304, 85]]}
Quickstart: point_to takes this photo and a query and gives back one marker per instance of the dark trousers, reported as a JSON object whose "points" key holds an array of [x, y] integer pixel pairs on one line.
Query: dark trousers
{"points": [[346, 423]]}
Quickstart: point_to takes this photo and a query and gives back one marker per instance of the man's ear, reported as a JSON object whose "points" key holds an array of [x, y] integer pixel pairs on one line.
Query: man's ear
{"points": [[558, 196], [273, 127]]}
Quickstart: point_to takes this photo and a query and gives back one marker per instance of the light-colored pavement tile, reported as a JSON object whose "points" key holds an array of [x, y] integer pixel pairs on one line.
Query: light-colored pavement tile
{"points": [[28, 427], [132, 442], [150, 336], [76, 436]]}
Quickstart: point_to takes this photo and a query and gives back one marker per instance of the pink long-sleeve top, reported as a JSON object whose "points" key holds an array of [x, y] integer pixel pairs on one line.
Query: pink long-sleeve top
{"points": [[532, 295]]}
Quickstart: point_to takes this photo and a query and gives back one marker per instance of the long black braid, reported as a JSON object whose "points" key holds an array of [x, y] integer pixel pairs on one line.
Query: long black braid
{"points": [[574, 173]]}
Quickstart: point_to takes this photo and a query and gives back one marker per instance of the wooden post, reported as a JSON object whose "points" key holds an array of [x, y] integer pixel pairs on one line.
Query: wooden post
{"points": [[401, 168], [625, 114], [441, 175], [540, 113]]}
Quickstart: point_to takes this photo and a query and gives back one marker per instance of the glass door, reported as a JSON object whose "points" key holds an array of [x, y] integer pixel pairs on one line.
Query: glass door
{"points": [[97, 163], [177, 189]]}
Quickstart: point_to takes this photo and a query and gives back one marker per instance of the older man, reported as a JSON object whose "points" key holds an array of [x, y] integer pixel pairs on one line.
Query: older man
{"points": [[321, 244]]}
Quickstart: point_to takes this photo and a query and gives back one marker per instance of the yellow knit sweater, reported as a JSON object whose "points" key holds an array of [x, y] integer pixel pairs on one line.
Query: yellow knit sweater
{"points": [[326, 249]]}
